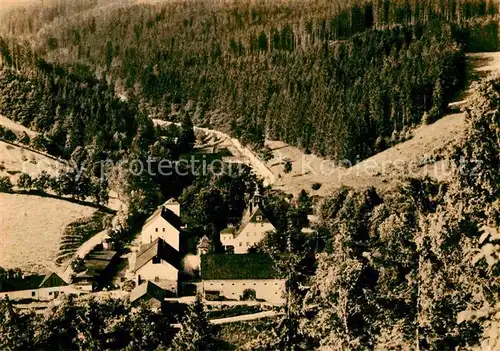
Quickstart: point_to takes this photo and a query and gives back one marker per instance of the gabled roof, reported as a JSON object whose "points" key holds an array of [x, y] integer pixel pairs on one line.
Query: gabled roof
{"points": [[250, 217], [250, 266], [148, 289], [229, 230], [52, 280], [167, 215], [32, 282], [158, 248], [257, 212]]}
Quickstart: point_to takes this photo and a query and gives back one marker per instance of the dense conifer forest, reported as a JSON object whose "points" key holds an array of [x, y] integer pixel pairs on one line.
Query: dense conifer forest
{"points": [[413, 267], [340, 79]]}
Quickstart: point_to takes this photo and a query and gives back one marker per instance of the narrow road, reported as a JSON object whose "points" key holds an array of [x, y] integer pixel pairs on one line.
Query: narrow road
{"points": [[242, 318], [250, 157]]}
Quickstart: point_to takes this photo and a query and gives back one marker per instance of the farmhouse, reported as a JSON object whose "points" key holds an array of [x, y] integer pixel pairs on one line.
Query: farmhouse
{"points": [[36, 287], [158, 262], [164, 223], [148, 292], [241, 276], [255, 224], [98, 268]]}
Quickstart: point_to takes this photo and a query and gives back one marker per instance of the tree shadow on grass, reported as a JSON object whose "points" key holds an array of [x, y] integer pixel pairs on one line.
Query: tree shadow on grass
{"points": [[102, 208]]}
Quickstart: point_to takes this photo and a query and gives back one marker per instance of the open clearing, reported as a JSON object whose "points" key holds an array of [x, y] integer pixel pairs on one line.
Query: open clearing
{"points": [[15, 159], [31, 227]]}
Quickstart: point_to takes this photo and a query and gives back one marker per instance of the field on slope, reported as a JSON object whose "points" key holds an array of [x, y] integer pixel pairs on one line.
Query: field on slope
{"points": [[31, 227], [15, 160]]}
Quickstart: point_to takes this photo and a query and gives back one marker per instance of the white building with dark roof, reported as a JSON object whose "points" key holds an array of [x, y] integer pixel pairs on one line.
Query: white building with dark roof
{"points": [[253, 228], [37, 287], [158, 262], [164, 223], [234, 276]]}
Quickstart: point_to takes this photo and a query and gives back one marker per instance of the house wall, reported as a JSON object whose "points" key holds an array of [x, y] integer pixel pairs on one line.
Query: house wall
{"points": [[162, 274], [249, 235], [267, 289], [160, 228], [42, 294]]}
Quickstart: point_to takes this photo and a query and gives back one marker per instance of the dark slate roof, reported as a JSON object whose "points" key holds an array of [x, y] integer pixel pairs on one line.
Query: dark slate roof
{"points": [[167, 215], [32, 282], [149, 290], [157, 248], [229, 230], [27, 283], [258, 212], [250, 266], [98, 261]]}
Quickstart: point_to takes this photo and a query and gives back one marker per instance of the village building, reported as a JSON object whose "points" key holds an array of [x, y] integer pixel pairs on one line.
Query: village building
{"points": [[239, 277], [158, 262], [254, 226], [164, 223], [159, 259], [36, 287], [148, 293], [97, 271]]}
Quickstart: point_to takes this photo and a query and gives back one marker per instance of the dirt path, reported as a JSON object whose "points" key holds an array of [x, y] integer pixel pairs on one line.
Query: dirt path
{"points": [[242, 318], [240, 152]]}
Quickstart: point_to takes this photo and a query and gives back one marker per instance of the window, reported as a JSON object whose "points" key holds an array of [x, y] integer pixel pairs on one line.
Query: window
{"points": [[259, 218], [156, 230], [156, 260], [233, 284], [241, 244], [33, 293], [164, 230], [265, 283], [50, 293]]}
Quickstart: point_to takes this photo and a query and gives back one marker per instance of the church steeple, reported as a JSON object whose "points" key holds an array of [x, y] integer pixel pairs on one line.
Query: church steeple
{"points": [[256, 200]]}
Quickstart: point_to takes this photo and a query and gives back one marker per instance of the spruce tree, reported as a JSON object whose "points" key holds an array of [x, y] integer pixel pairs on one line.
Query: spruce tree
{"points": [[196, 333]]}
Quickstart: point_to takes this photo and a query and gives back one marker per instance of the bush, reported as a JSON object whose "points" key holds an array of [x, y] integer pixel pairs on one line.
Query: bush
{"points": [[316, 186], [5, 184], [78, 265], [248, 294], [9, 135]]}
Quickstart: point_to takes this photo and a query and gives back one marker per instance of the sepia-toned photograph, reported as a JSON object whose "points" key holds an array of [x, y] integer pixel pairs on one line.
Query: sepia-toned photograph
{"points": [[210, 175]]}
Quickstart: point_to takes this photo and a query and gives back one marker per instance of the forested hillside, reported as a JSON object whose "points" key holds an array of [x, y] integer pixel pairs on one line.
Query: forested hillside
{"points": [[411, 268], [339, 79]]}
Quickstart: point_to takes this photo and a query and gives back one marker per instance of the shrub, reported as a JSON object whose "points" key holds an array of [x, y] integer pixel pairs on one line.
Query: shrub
{"points": [[9, 135], [5, 184], [316, 186], [248, 294], [78, 265]]}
